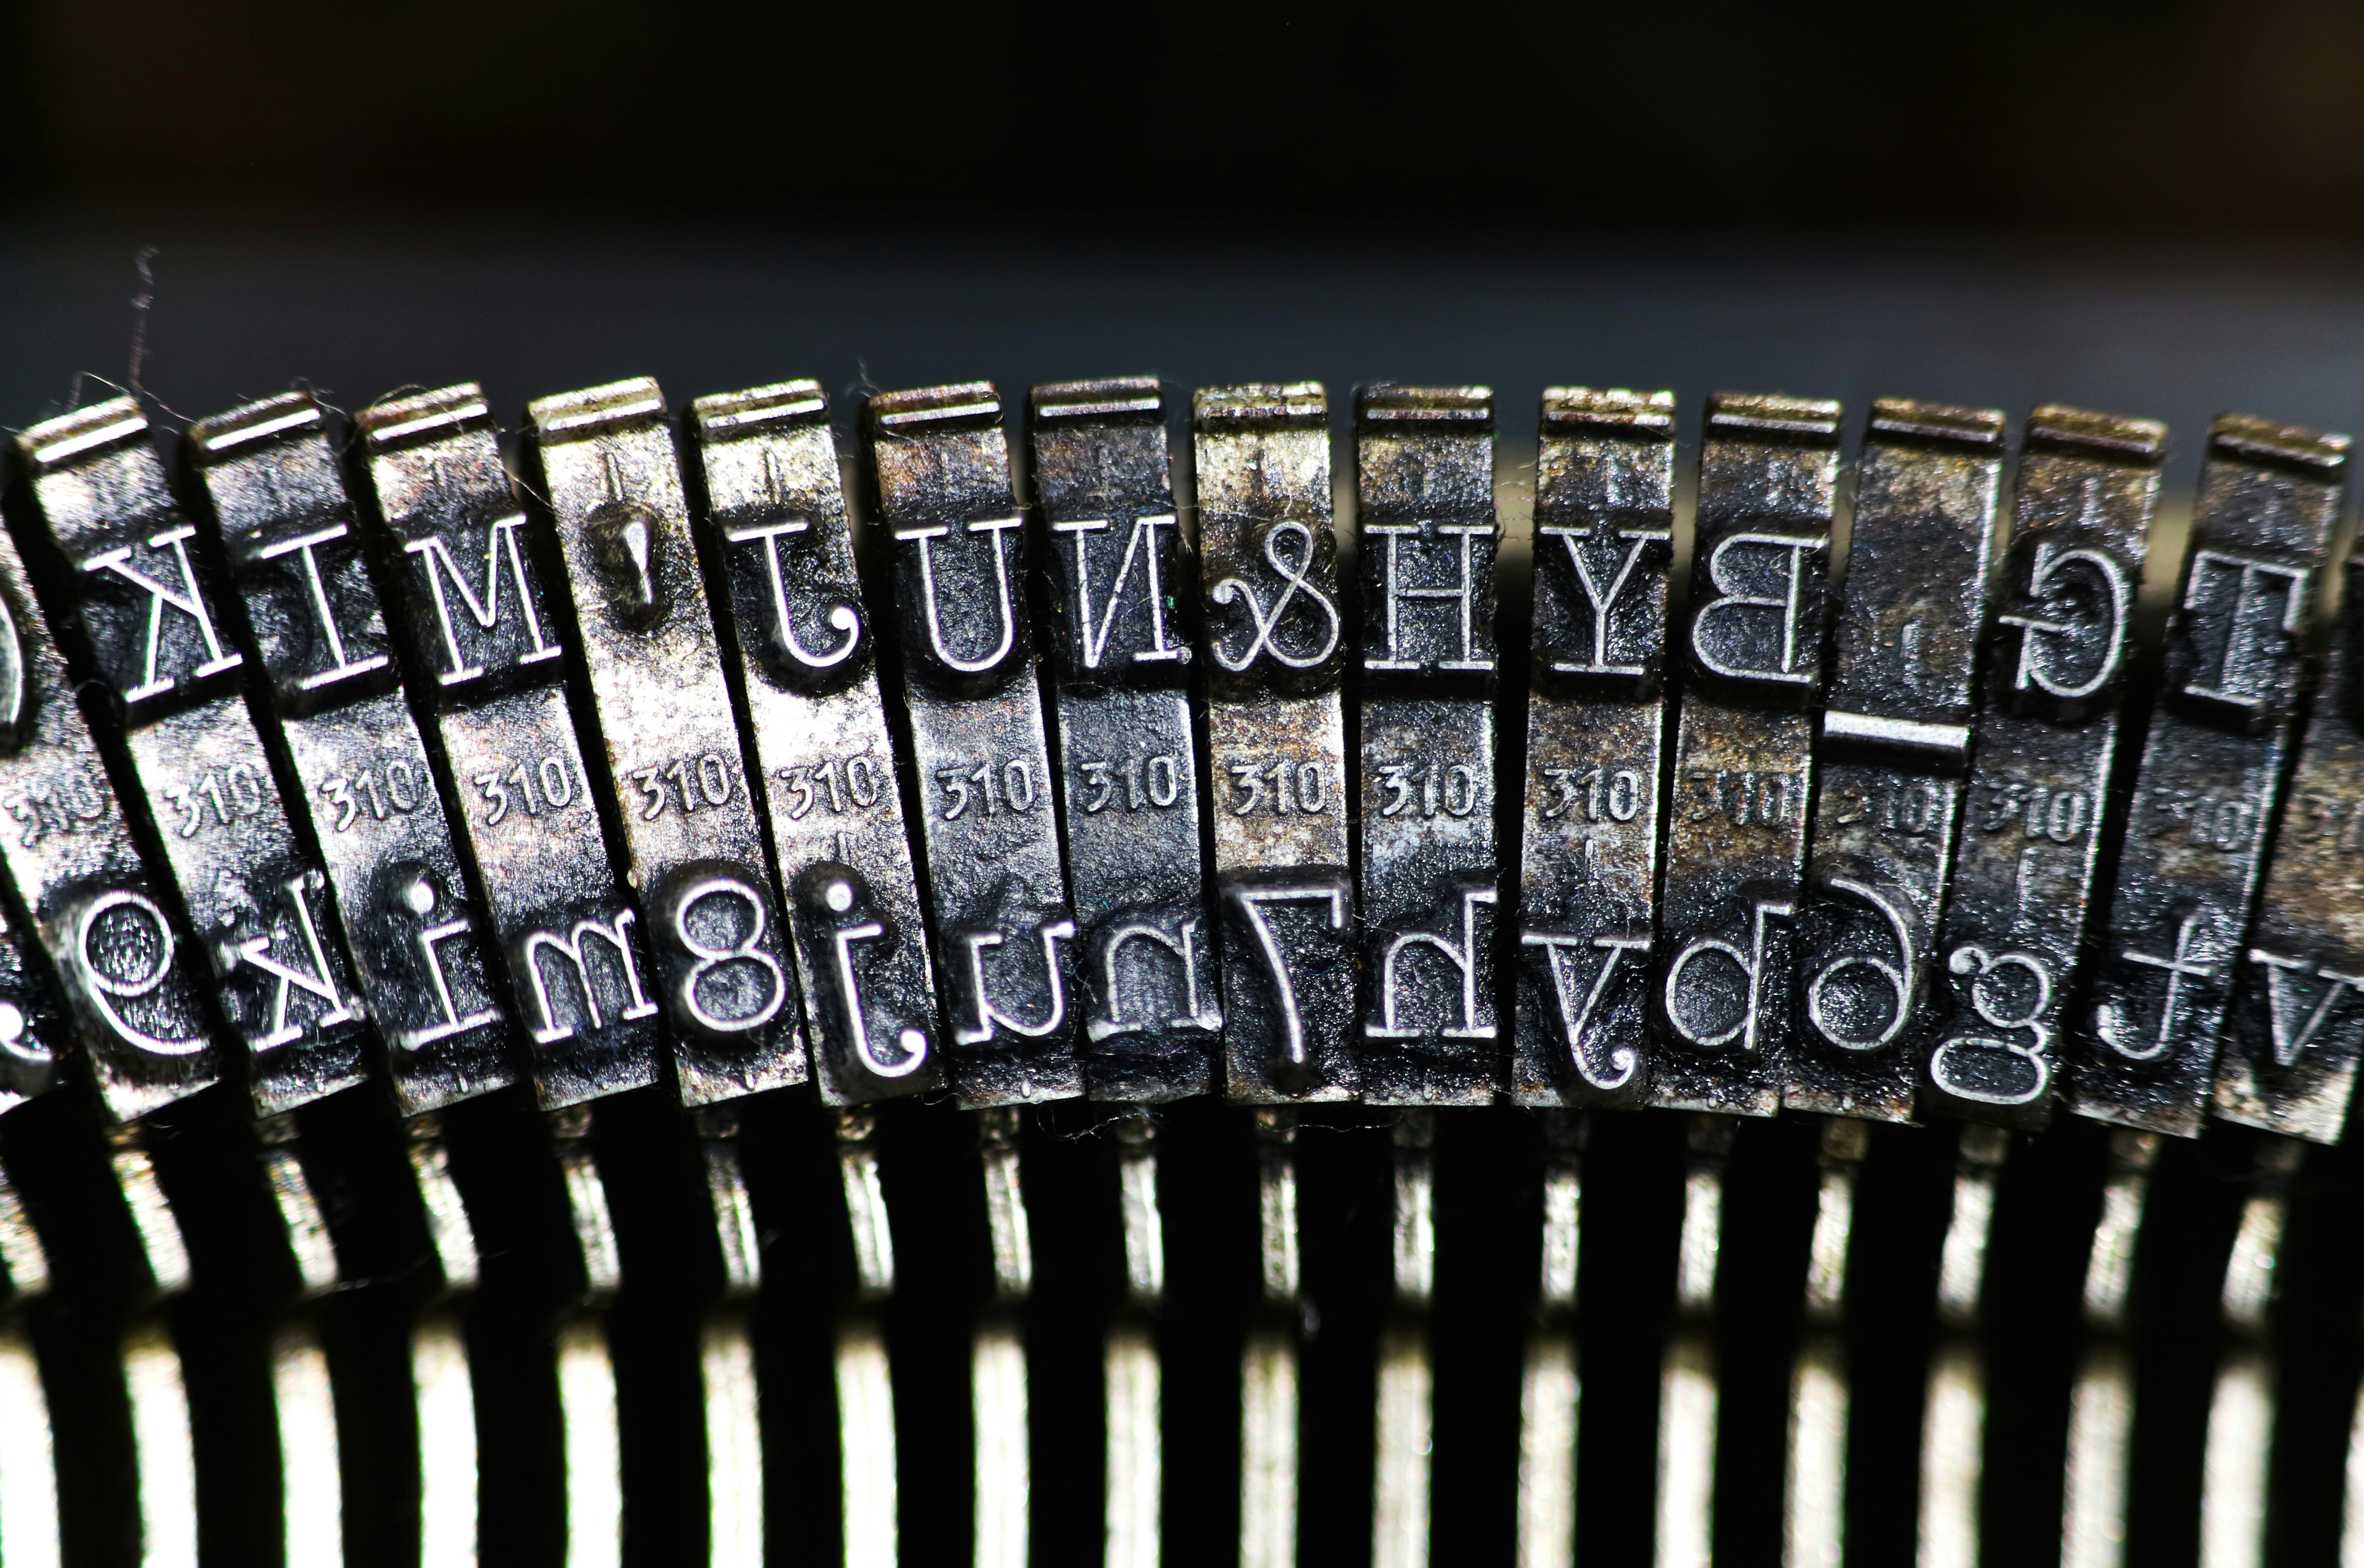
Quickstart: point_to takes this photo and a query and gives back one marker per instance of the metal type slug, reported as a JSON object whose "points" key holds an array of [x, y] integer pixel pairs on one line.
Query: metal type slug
{"points": [[1743, 776], [139, 584], [1988, 1045], [1895, 741], [996, 880], [421, 943], [479, 636], [1595, 755], [2296, 1024], [672, 770], [1424, 484], [806, 651], [1277, 742], [1123, 634], [2211, 773]]}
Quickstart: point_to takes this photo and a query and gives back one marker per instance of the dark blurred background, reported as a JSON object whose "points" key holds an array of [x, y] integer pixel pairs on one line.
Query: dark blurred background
{"points": [[2155, 208]]}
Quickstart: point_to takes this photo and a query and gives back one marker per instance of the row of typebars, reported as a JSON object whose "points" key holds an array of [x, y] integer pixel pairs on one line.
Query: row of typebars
{"points": [[347, 763]]}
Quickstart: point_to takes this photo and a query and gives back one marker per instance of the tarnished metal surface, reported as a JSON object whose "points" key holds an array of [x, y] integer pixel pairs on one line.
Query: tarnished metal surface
{"points": [[421, 943], [997, 885], [1596, 725], [1895, 744], [2296, 1025], [807, 655], [2210, 777], [479, 640], [137, 583], [116, 941], [1276, 740], [1743, 761], [2048, 729], [1424, 484], [674, 772], [1123, 634]]}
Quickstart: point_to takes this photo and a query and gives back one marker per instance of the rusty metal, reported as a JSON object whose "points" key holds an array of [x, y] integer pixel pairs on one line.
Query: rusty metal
{"points": [[1596, 730], [479, 637], [1122, 638], [1894, 747], [136, 586], [344, 732], [1277, 742], [1743, 755], [2047, 731], [2296, 1025], [997, 885], [661, 708], [2210, 775], [807, 655], [1424, 487]]}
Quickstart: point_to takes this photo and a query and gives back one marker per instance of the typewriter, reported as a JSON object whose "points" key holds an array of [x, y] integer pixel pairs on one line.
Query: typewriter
{"points": [[1133, 975]]}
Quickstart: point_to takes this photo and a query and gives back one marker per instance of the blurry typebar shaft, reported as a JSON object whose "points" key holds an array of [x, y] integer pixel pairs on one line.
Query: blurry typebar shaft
{"points": [[660, 707], [1424, 484], [1596, 722], [1895, 744], [1277, 742], [996, 880], [806, 654], [1742, 773], [2193, 849], [1123, 618], [1989, 1041]]}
